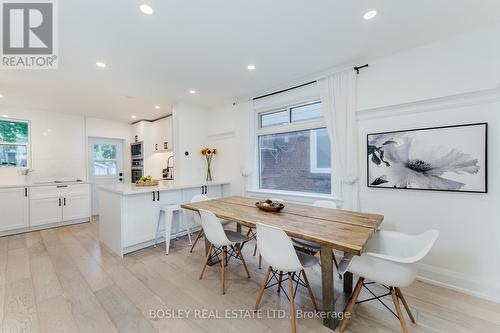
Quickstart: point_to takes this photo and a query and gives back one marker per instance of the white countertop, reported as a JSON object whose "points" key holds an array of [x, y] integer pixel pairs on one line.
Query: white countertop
{"points": [[166, 185], [34, 184]]}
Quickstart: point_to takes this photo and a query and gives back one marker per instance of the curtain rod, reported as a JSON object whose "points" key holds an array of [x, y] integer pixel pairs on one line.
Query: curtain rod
{"points": [[284, 90], [357, 68]]}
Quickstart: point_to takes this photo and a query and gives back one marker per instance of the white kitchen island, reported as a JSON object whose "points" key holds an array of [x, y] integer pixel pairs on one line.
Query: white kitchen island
{"points": [[129, 214]]}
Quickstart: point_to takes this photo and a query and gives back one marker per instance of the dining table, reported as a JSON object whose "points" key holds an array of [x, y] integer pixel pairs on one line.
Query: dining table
{"points": [[332, 229]]}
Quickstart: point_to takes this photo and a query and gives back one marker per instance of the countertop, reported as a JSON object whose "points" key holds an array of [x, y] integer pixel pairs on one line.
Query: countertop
{"points": [[166, 185], [35, 184]]}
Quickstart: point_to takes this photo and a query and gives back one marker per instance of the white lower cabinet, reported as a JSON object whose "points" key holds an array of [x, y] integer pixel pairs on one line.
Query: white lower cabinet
{"points": [[59, 203], [75, 207], [45, 211], [14, 208]]}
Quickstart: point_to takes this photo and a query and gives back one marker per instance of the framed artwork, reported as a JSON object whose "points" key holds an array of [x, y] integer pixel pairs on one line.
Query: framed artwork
{"points": [[448, 158]]}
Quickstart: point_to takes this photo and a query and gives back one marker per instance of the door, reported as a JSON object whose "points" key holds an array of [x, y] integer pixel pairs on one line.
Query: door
{"points": [[105, 165], [75, 207], [14, 208]]}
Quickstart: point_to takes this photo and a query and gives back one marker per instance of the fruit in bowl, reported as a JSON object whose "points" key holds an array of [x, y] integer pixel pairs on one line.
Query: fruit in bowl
{"points": [[270, 205], [146, 181]]}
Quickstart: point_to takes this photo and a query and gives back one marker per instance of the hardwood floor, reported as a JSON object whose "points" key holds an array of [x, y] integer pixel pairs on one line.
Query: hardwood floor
{"points": [[63, 280]]}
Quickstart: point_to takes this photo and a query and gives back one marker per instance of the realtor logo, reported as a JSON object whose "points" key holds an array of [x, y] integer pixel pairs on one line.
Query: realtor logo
{"points": [[29, 34]]}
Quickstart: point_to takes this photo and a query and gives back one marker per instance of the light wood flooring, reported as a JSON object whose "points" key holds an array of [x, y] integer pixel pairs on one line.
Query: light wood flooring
{"points": [[63, 280]]}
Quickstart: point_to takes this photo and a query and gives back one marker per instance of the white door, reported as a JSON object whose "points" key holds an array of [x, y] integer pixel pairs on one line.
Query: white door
{"points": [[105, 165], [13, 208]]}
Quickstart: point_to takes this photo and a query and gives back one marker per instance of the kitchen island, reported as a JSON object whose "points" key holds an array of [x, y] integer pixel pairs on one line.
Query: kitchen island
{"points": [[129, 213]]}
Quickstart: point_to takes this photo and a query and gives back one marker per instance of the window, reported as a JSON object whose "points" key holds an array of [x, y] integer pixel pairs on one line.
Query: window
{"points": [[294, 152], [105, 161], [14, 144], [274, 118]]}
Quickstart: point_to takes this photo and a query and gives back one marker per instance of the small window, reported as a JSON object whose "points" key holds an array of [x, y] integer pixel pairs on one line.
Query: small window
{"points": [[274, 119], [306, 112], [14, 144], [105, 162]]}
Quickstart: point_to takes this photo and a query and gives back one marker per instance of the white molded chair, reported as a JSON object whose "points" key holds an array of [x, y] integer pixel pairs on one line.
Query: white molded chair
{"points": [[196, 217], [277, 249], [390, 259], [220, 240], [312, 247]]}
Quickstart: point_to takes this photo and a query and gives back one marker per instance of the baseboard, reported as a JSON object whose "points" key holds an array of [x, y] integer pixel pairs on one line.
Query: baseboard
{"points": [[43, 226], [464, 283]]}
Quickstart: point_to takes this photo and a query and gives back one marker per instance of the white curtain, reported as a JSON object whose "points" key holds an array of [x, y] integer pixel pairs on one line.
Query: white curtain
{"points": [[338, 95]]}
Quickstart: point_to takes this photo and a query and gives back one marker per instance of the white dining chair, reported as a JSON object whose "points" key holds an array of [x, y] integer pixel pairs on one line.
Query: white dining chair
{"points": [[313, 247], [277, 250], [223, 242], [390, 259], [253, 235], [195, 216]]}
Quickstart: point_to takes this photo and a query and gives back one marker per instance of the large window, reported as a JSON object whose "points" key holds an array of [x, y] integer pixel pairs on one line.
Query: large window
{"points": [[294, 149], [14, 144]]}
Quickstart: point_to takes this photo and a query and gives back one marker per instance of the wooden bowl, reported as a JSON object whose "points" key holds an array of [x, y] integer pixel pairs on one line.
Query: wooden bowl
{"points": [[151, 183], [270, 207]]}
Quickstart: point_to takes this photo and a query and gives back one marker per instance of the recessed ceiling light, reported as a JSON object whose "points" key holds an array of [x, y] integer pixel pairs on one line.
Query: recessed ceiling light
{"points": [[100, 64], [157, 107], [133, 117], [146, 9], [192, 92], [5, 116], [1, 96], [251, 67], [370, 14]]}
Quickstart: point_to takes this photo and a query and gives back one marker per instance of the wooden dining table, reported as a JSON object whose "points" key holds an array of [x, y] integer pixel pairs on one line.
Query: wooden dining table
{"points": [[333, 229]]}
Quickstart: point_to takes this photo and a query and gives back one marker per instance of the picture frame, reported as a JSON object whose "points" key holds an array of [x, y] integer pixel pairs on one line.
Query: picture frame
{"points": [[450, 158]]}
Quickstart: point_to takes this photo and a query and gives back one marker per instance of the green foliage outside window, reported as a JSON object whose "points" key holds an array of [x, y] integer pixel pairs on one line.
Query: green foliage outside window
{"points": [[14, 132]]}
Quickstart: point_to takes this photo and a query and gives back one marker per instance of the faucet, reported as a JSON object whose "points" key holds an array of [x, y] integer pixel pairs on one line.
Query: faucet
{"points": [[170, 168]]}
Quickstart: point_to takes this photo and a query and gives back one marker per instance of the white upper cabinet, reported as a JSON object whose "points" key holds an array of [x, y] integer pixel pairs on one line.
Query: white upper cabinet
{"points": [[14, 208], [162, 135]]}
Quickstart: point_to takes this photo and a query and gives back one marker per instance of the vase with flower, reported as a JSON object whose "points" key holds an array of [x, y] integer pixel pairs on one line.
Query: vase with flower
{"points": [[209, 153]]}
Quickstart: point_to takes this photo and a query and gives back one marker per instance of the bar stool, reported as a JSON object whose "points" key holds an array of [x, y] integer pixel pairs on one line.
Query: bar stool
{"points": [[168, 214]]}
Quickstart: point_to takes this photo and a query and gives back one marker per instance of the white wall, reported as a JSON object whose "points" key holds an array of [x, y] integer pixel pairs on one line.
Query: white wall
{"points": [[467, 254], [190, 135], [57, 146]]}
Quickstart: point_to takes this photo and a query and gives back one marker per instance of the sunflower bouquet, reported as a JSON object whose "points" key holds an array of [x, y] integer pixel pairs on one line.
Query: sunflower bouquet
{"points": [[209, 153]]}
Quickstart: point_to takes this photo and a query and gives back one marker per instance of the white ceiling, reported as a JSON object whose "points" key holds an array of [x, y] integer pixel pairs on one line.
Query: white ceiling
{"points": [[206, 45]]}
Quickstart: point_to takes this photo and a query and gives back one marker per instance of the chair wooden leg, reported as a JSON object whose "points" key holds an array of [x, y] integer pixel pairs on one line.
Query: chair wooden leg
{"points": [[352, 304], [200, 234], [398, 311], [407, 307], [260, 261], [280, 280], [207, 258], [292, 304], [262, 287], [255, 248], [244, 263], [309, 289], [224, 253]]}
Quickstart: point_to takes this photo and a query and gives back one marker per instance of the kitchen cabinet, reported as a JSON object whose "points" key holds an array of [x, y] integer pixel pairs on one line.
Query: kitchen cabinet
{"points": [[59, 203], [162, 134], [14, 208]]}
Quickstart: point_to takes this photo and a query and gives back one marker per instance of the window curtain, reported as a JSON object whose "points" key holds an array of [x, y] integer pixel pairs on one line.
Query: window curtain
{"points": [[338, 95]]}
